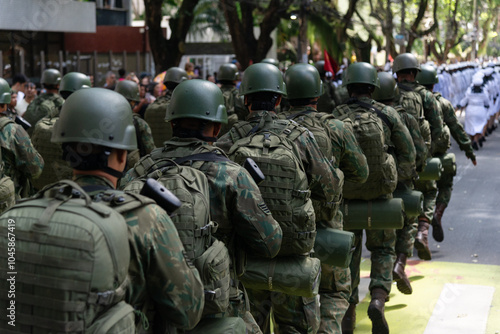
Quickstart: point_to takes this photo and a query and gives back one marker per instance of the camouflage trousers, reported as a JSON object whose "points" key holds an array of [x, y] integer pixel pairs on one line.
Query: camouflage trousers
{"points": [[381, 244], [239, 306], [405, 237], [291, 314], [429, 189], [445, 187]]}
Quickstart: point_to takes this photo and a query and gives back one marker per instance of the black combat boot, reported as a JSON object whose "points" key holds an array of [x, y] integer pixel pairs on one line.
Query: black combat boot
{"points": [[421, 243], [437, 228], [349, 320], [376, 312], [399, 275]]}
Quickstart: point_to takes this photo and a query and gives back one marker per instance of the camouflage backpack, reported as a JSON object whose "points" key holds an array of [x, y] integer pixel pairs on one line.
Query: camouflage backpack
{"points": [[67, 260], [192, 220], [155, 117], [286, 187], [55, 167], [411, 101], [49, 106], [368, 129]]}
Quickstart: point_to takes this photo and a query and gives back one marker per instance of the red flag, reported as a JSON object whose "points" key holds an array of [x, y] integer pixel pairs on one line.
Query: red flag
{"points": [[330, 63]]}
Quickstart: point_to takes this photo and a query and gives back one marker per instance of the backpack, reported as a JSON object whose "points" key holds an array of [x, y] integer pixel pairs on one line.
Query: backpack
{"points": [[285, 188], [68, 261], [411, 101], [55, 167], [155, 117], [192, 220], [369, 131]]}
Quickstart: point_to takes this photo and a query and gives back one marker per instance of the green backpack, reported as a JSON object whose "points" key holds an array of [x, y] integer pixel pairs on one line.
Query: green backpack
{"points": [[7, 189], [67, 260], [192, 220], [369, 131], [155, 117], [55, 168], [285, 188]]}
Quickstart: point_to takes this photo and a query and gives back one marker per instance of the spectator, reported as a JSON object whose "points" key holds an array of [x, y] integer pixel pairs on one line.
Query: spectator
{"points": [[110, 80], [30, 94], [18, 85], [121, 74]]}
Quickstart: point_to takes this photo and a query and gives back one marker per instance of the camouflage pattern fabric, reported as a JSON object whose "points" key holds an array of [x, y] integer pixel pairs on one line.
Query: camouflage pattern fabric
{"points": [[162, 277], [22, 161], [341, 95], [326, 102], [155, 117], [145, 143], [429, 189], [46, 104]]}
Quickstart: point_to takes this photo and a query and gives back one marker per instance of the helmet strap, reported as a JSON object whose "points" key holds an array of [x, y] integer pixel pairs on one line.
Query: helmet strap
{"points": [[91, 161]]}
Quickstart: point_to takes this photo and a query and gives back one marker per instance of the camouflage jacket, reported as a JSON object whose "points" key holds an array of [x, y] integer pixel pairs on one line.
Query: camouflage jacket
{"points": [[431, 107], [21, 160], [418, 141], [236, 203], [323, 179], [160, 273], [46, 104], [326, 101], [145, 142], [456, 129], [397, 137], [155, 117], [235, 107]]}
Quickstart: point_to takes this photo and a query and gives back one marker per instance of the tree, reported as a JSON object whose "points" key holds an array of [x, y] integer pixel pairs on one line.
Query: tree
{"points": [[168, 52]]}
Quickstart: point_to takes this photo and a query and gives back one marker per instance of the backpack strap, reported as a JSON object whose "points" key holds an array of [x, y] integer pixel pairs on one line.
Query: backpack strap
{"points": [[206, 156], [302, 113], [379, 113], [4, 120], [140, 144], [405, 87]]}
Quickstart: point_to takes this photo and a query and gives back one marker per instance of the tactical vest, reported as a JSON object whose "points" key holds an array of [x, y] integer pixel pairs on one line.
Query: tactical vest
{"points": [[192, 220], [68, 259], [285, 188], [369, 131]]}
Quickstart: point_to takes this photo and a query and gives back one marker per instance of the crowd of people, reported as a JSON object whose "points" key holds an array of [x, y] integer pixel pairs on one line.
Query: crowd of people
{"points": [[259, 176]]}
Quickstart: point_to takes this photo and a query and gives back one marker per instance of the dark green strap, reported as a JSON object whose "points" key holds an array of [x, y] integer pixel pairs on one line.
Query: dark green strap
{"points": [[369, 219], [50, 282], [206, 156], [302, 113], [405, 87], [83, 245]]}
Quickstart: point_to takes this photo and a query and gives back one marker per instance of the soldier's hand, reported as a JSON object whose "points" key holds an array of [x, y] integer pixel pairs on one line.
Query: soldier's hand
{"points": [[474, 162]]}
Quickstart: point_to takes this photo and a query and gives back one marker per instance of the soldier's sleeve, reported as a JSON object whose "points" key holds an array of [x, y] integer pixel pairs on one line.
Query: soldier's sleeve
{"points": [[172, 280], [351, 159], [27, 157], [146, 136], [456, 129], [432, 114], [418, 141], [324, 182], [255, 224], [405, 150]]}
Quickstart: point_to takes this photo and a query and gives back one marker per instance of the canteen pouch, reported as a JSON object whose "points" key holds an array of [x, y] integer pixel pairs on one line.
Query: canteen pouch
{"points": [[334, 247], [376, 214], [432, 170], [449, 163], [297, 275], [413, 201]]}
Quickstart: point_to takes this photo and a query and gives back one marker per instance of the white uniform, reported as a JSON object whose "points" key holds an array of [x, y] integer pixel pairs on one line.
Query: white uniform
{"points": [[477, 103]]}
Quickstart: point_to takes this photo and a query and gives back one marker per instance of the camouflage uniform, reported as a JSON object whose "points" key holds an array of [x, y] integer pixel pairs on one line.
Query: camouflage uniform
{"points": [[235, 108], [381, 243], [291, 313], [163, 280], [237, 206], [145, 143], [155, 116], [22, 161], [326, 101], [445, 184], [46, 104], [335, 285]]}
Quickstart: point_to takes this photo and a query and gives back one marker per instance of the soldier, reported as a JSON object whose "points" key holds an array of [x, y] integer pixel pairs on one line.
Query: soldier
{"points": [[48, 103], [22, 161], [263, 87], [227, 76], [196, 113], [338, 143], [428, 77], [326, 101], [156, 111], [165, 286], [361, 79], [388, 94], [145, 143], [421, 104]]}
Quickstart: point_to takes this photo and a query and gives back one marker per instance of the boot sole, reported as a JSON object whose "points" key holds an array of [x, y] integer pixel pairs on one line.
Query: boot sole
{"points": [[437, 231], [423, 253], [403, 284], [379, 324]]}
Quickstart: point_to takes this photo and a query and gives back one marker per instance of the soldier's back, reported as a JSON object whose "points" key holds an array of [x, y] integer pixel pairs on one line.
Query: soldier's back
{"points": [[155, 117]]}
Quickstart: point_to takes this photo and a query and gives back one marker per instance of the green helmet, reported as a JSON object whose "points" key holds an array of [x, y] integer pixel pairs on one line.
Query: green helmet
{"points": [[361, 73], [98, 116], [405, 61], [271, 61], [72, 82], [5, 96], [388, 89], [129, 89], [427, 75], [197, 99], [303, 81], [175, 74], [262, 77], [228, 72], [320, 66], [51, 76]]}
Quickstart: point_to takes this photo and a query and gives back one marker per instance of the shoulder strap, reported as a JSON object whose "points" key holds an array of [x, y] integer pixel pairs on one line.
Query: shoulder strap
{"points": [[379, 113], [405, 87], [302, 113], [206, 156]]}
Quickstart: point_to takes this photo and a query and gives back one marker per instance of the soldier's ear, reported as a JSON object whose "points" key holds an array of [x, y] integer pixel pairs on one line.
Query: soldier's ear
{"points": [[278, 101], [216, 129]]}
